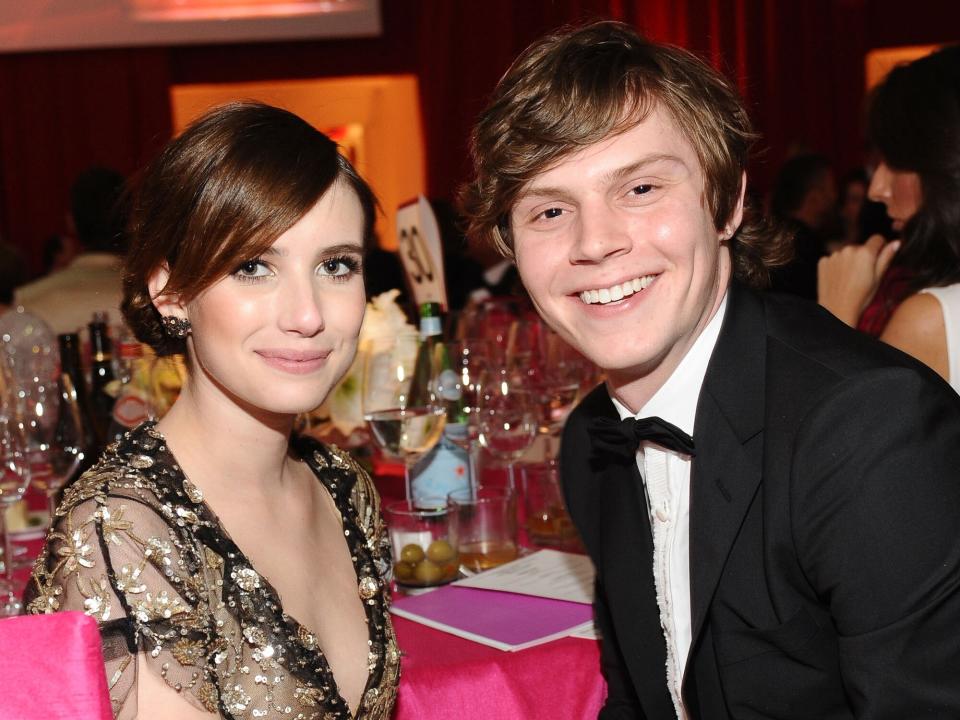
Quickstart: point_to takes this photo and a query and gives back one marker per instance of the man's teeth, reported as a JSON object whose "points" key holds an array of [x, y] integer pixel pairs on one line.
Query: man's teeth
{"points": [[616, 292]]}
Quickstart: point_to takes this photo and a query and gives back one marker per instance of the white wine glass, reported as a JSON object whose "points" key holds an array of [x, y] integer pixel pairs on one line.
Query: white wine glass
{"points": [[404, 423]]}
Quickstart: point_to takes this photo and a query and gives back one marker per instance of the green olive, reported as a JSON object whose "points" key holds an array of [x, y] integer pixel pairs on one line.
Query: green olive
{"points": [[428, 573], [403, 571], [450, 570], [440, 551], [411, 553]]}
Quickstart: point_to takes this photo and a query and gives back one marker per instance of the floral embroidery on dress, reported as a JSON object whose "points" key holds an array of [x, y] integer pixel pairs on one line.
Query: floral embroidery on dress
{"points": [[134, 546]]}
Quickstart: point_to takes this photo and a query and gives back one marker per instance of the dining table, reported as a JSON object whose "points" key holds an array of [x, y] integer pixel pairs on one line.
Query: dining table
{"points": [[446, 677]]}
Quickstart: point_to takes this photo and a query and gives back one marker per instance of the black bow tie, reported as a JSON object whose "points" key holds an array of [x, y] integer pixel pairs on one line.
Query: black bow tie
{"points": [[620, 439]]}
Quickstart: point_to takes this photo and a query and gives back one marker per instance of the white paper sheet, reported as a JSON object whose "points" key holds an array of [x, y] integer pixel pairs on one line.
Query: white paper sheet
{"points": [[545, 573]]}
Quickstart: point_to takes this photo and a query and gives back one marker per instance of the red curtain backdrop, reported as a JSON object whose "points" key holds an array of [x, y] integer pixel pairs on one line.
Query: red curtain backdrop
{"points": [[798, 63]]}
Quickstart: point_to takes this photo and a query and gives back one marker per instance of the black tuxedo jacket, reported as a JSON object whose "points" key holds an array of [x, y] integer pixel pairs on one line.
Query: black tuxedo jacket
{"points": [[824, 531]]}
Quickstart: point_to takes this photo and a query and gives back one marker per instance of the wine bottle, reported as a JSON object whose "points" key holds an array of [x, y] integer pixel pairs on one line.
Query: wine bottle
{"points": [[101, 375], [71, 368], [446, 467]]}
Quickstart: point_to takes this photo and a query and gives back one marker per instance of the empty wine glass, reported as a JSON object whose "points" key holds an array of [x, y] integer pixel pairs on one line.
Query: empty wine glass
{"points": [[491, 320], [61, 447], [405, 423], [506, 418], [14, 479], [469, 359]]}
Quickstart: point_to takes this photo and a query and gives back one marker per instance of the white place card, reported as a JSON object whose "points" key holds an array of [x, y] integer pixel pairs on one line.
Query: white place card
{"points": [[421, 252]]}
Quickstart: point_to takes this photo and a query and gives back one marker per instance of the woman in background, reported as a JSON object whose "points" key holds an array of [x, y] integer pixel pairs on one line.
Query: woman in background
{"points": [[235, 568], [915, 124]]}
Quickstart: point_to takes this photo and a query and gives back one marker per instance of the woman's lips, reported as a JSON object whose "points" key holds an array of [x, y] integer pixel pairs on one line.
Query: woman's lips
{"points": [[296, 362]]}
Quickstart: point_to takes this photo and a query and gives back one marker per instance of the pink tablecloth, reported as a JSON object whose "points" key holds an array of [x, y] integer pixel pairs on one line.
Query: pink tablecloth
{"points": [[447, 678]]}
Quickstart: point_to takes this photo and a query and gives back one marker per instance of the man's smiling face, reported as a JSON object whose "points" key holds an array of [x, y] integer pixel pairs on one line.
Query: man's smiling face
{"points": [[619, 252]]}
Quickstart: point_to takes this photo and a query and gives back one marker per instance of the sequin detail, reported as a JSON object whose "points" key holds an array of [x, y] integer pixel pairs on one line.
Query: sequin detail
{"points": [[193, 492], [368, 587]]}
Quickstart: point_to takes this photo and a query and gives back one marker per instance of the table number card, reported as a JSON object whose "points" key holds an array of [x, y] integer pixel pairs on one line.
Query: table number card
{"points": [[421, 252]]}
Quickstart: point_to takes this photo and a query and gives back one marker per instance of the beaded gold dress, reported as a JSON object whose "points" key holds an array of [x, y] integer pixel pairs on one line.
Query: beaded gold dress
{"points": [[134, 546]]}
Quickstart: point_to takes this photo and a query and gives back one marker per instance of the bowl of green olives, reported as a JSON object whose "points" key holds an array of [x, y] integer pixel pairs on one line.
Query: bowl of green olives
{"points": [[423, 555]]}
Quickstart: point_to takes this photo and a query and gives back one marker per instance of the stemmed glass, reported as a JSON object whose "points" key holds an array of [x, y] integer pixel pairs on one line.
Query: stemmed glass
{"points": [[403, 423], [59, 446], [506, 418], [14, 479], [563, 371], [469, 359]]}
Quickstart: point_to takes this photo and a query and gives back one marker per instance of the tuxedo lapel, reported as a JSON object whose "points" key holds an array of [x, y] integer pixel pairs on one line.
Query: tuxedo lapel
{"points": [[628, 552], [727, 431], [627, 573]]}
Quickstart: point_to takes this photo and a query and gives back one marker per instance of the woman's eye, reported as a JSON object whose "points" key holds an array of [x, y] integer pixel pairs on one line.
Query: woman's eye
{"points": [[641, 189], [252, 269], [339, 267]]}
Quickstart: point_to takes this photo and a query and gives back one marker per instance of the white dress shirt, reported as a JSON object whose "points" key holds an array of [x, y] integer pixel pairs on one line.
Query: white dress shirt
{"points": [[67, 299], [666, 477]]}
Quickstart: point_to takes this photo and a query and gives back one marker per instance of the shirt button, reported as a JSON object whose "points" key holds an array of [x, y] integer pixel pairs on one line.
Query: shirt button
{"points": [[661, 515]]}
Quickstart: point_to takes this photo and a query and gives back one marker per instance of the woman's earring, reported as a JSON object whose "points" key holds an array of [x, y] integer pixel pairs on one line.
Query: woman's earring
{"points": [[175, 327]]}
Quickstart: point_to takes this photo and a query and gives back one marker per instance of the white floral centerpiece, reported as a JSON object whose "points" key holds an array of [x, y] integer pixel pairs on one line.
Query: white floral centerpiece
{"points": [[343, 407]]}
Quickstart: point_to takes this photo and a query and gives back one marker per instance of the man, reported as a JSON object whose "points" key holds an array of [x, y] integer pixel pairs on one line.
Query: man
{"points": [[805, 200], [67, 299], [800, 556]]}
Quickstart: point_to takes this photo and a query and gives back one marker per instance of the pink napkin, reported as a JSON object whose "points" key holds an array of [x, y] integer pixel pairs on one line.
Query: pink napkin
{"points": [[52, 668]]}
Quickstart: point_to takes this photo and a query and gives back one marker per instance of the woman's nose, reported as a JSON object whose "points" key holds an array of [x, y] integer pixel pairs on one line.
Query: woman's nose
{"points": [[300, 307], [879, 190]]}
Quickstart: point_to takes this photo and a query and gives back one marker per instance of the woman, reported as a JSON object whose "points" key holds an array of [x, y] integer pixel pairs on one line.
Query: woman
{"points": [[232, 569], [915, 123]]}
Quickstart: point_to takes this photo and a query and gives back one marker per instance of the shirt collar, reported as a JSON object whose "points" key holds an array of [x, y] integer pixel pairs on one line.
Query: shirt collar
{"points": [[676, 400], [96, 260]]}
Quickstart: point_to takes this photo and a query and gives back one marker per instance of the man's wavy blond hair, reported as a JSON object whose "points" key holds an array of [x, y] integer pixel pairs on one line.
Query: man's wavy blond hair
{"points": [[579, 86]]}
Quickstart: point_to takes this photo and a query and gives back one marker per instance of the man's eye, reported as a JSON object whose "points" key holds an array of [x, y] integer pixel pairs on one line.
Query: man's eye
{"points": [[642, 189], [551, 213], [252, 268]]}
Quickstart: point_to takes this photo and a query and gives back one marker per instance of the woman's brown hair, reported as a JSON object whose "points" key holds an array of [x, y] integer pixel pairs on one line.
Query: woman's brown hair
{"points": [[222, 193], [914, 121], [577, 87]]}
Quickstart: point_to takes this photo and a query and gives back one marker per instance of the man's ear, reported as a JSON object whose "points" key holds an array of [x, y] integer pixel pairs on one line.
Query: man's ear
{"points": [[736, 216], [166, 303]]}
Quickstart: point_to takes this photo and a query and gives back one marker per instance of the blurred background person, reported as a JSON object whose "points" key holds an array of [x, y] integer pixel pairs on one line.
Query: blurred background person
{"points": [[915, 123], [59, 250], [805, 199], [66, 299], [850, 204]]}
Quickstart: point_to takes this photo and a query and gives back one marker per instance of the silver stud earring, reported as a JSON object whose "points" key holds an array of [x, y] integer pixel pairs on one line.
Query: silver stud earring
{"points": [[177, 328]]}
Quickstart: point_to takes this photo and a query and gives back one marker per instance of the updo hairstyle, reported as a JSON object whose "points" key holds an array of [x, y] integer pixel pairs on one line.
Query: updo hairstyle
{"points": [[220, 194]]}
